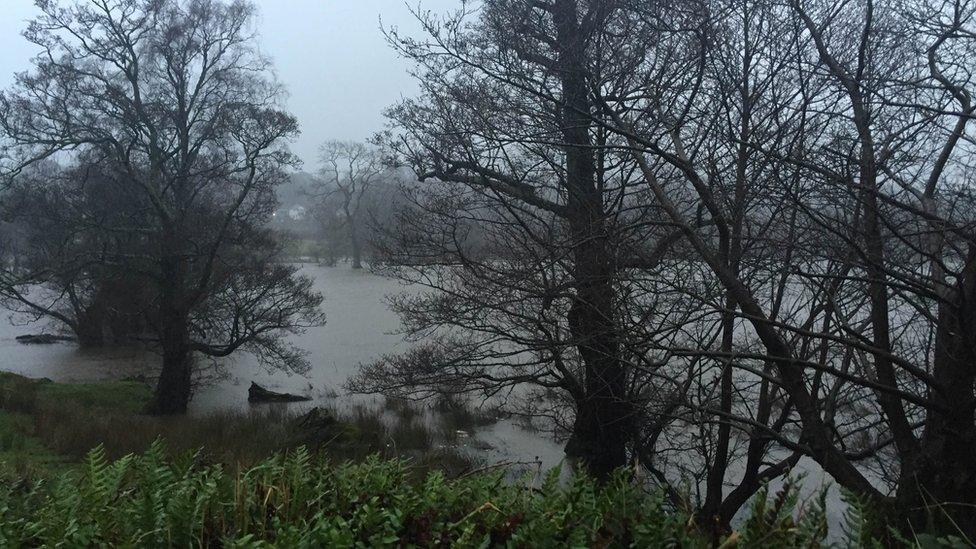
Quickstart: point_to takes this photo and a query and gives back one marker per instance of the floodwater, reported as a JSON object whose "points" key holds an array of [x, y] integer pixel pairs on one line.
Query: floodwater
{"points": [[360, 328]]}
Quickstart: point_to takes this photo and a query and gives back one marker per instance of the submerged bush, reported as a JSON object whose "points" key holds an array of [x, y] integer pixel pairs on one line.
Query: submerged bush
{"points": [[297, 500]]}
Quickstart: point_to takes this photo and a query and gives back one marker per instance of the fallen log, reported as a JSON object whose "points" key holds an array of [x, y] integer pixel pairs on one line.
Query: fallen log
{"points": [[42, 339], [257, 393]]}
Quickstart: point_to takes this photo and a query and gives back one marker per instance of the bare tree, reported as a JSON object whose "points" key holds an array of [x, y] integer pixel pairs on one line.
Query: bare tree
{"points": [[173, 100], [869, 130], [68, 230], [524, 225], [789, 182], [348, 171]]}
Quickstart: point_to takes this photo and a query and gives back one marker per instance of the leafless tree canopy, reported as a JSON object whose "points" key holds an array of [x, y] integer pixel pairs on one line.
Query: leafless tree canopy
{"points": [[704, 238], [347, 172], [172, 104], [714, 237]]}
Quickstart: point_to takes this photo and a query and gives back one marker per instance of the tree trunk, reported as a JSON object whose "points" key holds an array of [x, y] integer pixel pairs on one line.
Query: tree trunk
{"points": [[174, 386], [936, 492], [89, 328], [602, 429], [730, 249], [709, 514], [357, 252]]}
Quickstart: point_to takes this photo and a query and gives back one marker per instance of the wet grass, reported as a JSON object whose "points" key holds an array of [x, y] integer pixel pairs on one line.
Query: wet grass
{"points": [[41, 420], [413, 435], [401, 430], [21, 394], [461, 415], [404, 409], [228, 437], [23, 455], [45, 424]]}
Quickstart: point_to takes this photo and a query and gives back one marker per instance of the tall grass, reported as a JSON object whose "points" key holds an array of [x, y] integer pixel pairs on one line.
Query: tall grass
{"points": [[243, 437], [42, 421], [459, 415]]}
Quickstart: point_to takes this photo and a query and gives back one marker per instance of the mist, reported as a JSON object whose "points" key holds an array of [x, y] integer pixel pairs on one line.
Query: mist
{"points": [[331, 56], [494, 273]]}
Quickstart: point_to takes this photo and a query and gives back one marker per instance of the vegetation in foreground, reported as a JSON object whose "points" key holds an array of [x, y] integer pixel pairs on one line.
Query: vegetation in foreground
{"points": [[249, 480], [298, 500]]}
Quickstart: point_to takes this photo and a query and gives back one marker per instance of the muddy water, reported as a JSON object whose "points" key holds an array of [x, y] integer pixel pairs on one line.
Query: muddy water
{"points": [[360, 328]]}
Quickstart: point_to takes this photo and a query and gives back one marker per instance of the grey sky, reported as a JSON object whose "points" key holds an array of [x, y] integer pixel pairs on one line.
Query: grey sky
{"points": [[338, 68]]}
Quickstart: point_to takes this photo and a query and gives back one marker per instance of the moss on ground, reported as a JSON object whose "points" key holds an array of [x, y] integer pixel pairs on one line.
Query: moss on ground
{"points": [[22, 452], [20, 393]]}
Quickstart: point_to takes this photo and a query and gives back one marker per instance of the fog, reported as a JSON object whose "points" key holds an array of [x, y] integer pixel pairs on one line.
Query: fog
{"points": [[711, 248], [331, 55]]}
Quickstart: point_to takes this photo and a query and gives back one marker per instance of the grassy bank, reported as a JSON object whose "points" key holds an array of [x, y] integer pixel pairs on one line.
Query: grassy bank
{"points": [[269, 478], [46, 427], [40, 419]]}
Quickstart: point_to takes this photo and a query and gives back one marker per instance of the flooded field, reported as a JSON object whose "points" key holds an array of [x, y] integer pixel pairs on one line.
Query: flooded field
{"points": [[360, 328]]}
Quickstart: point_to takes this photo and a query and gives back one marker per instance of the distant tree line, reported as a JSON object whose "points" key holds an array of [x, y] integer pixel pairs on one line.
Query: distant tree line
{"points": [[351, 190]]}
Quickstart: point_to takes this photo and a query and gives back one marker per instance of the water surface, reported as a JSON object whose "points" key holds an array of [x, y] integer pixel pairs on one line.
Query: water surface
{"points": [[360, 328]]}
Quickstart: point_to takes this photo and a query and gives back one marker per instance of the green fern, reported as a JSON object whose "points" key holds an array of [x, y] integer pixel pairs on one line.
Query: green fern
{"points": [[301, 500]]}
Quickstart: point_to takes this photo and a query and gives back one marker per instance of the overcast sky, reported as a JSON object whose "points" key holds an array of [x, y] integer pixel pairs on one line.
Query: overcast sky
{"points": [[330, 54]]}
